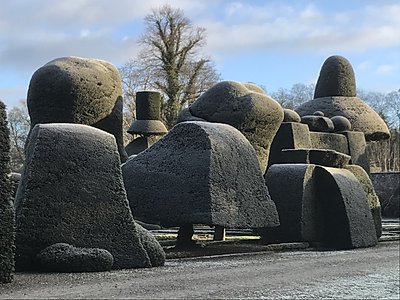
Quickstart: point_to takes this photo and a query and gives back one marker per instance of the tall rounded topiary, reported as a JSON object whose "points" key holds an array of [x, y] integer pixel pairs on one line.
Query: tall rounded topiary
{"points": [[78, 90], [7, 221], [336, 78]]}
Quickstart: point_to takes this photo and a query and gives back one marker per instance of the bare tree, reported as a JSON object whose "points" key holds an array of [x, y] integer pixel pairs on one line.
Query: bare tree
{"points": [[386, 105], [134, 78], [376, 100], [392, 100], [384, 156], [19, 124], [296, 95], [170, 61]]}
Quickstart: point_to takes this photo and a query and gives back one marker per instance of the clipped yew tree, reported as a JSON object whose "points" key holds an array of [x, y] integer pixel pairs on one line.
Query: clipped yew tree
{"points": [[7, 223]]}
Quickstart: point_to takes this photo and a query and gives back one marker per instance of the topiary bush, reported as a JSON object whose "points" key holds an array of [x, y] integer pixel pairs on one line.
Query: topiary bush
{"points": [[62, 257], [7, 219]]}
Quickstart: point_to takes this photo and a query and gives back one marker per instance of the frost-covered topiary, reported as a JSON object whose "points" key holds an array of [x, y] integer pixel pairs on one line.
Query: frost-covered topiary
{"points": [[78, 90], [62, 257], [244, 106]]}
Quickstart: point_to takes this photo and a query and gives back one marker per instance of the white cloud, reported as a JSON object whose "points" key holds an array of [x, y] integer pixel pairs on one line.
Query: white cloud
{"points": [[84, 33], [289, 28], [363, 66], [37, 31], [310, 13], [385, 69]]}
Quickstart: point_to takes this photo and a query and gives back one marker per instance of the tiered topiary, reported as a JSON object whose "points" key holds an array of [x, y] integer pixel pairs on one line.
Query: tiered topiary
{"points": [[335, 95], [148, 123]]}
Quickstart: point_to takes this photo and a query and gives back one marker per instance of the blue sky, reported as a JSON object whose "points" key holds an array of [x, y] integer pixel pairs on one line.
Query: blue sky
{"points": [[272, 43]]}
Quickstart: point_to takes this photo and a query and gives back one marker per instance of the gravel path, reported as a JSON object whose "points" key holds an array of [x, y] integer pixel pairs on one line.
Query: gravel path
{"points": [[371, 273]]}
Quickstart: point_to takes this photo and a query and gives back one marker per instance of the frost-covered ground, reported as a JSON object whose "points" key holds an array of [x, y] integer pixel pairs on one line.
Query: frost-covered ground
{"points": [[371, 273]]}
